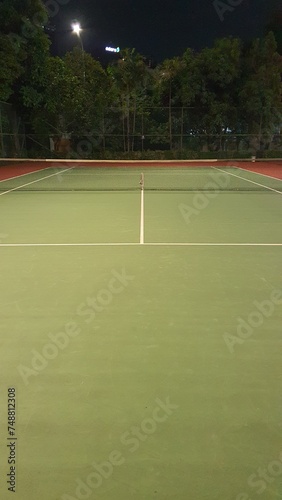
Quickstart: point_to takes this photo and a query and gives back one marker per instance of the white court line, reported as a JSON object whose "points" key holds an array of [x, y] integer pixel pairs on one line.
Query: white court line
{"points": [[216, 244], [68, 244], [258, 173], [33, 182], [19, 245], [27, 173], [142, 218], [244, 179]]}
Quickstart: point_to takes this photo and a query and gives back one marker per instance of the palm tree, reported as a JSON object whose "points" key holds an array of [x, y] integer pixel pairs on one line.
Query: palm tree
{"points": [[130, 75], [167, 73]]}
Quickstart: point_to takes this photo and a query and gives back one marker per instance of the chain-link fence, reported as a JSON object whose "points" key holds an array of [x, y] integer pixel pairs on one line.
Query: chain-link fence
{"points": [[152, 133]]}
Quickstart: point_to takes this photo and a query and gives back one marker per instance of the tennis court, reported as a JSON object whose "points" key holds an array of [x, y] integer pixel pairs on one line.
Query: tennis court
{"points": [[141, 330]]}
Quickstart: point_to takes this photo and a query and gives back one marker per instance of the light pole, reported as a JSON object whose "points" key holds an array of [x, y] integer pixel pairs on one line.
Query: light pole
{"points": [[76, 28]]}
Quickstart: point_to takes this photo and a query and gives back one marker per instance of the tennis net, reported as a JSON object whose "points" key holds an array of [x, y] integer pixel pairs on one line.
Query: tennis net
{"points": [[21, 176]]}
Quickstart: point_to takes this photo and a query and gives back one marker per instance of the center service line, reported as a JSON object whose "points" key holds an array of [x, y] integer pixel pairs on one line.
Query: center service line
{"points": [[142, 210]]}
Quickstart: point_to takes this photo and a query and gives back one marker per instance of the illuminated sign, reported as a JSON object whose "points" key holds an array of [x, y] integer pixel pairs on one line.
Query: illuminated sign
{"points": [[112, 49]]}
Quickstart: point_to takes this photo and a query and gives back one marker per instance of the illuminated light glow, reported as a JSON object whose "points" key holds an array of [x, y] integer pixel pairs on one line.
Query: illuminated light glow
{"points": [[76, 28], [112, 49]]}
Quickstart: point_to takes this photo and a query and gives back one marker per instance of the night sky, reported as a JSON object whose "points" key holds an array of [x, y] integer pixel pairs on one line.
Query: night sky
{"points": [[157, 28]]}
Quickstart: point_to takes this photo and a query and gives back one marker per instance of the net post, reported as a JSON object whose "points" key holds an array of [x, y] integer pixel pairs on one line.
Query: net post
{"points": [[141, 182]]}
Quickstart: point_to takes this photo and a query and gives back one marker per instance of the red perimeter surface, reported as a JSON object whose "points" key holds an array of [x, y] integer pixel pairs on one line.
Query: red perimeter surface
{"points": [[271, 168], [9, 172]]}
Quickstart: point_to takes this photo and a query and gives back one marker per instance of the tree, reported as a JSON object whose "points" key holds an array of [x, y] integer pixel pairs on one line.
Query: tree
{"points": [[186, 88], [168, 79], [24, 47], [130, 77], [10, 66], [72, 103], [219, 70], [275, 25], [260, 92], [203, 86]]}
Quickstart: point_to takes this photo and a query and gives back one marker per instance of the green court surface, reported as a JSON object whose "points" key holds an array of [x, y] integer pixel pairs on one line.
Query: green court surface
{"points": [[141, 331]]}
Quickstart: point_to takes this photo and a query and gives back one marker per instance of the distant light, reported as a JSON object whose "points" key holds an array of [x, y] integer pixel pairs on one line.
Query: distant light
{"points": [[112, 49], [76, 28]]}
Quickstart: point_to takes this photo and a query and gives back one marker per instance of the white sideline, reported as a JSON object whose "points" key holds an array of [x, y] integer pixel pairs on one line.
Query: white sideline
{"points": [[18, 245], [142, 218], [258, 173], [248, 180], [27, 173], [33, 182]]}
